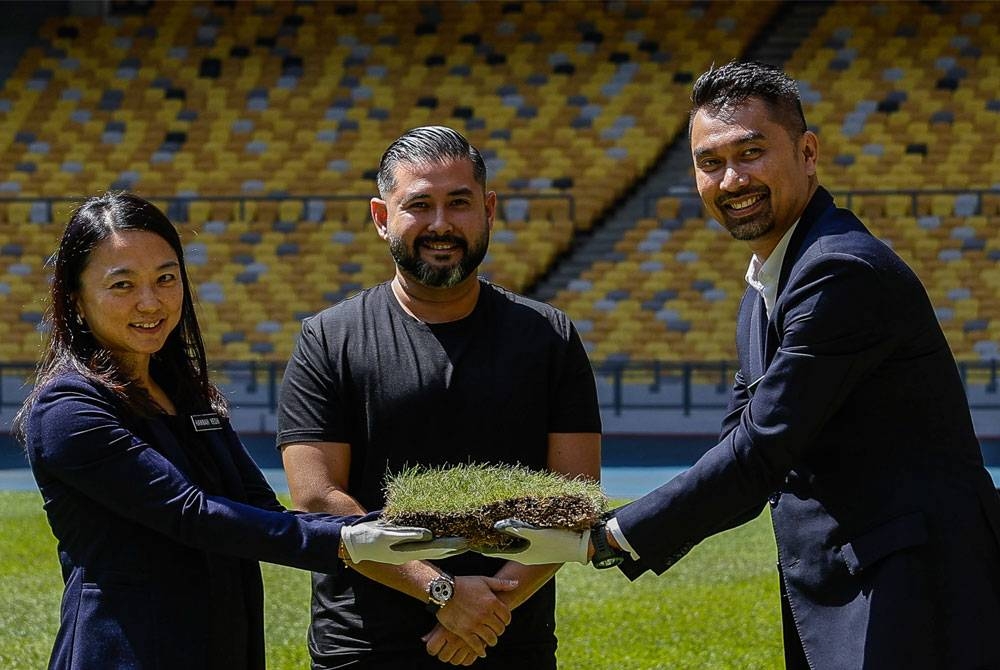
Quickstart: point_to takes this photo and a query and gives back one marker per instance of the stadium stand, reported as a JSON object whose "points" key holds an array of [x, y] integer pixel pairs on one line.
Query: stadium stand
{"points": [[234, 107], [904, 99], [570, 102]]}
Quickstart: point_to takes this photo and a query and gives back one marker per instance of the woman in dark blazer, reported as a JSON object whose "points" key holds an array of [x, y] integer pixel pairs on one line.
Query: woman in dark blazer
{"points": [[159, 512]]}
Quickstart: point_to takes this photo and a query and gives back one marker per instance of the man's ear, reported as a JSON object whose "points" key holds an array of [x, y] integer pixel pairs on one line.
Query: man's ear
{"points": [[810, 151], [380, 217], [491, 208]]}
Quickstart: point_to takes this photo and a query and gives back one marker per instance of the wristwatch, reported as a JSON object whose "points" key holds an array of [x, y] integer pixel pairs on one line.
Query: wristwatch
{"points": [[605, 556], [439, 591]]}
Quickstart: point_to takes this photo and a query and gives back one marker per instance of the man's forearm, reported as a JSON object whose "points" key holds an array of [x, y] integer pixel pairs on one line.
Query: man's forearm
{"points": [[530, 578], [410, 578], [335, 501]]}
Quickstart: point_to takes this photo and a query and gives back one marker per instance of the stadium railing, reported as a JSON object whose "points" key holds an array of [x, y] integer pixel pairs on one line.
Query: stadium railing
{"points": [[683, 386]]}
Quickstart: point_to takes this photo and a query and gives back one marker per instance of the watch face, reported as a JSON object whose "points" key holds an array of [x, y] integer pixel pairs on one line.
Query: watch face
{"points": [[609, 562], [440, 590]]}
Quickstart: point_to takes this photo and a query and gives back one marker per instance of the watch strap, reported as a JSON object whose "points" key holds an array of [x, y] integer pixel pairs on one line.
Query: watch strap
{"points": [[605, 556]]}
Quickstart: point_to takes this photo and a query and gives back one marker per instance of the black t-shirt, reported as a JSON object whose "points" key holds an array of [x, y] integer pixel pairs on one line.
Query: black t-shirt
{"points": [[488, 388]]}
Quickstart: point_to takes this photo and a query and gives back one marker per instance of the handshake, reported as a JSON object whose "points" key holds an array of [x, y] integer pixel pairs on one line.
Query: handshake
{"points": [[383, 543]]}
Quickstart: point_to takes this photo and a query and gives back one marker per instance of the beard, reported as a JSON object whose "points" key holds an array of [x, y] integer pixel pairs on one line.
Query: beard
{"points": [[748, 228], [438, 276]]}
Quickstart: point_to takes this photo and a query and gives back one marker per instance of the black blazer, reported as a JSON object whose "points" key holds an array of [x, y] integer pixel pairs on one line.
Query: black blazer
{"points": [[849, 418], [134, 533]]}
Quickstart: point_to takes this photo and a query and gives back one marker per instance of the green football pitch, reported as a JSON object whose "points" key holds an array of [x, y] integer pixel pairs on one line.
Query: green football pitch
{"points": [[716, 609]]}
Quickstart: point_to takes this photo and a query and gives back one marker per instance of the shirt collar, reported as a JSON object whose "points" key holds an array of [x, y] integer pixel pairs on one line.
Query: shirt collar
{"points": [[763, 276]]}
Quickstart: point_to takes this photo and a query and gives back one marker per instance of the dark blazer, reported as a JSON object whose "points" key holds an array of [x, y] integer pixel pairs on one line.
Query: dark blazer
{"points": [[135, 534], [848, 417]]}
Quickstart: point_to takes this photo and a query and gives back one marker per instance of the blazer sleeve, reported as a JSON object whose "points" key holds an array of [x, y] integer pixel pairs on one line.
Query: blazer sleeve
{"points": [[76, 435], [835, 326]]}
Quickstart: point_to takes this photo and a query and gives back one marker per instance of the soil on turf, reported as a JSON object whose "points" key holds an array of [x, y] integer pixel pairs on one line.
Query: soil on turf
{"points": [[571, 512]]}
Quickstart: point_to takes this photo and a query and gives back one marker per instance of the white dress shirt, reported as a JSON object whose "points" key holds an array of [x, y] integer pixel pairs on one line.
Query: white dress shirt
{"points": [[763, 275]]}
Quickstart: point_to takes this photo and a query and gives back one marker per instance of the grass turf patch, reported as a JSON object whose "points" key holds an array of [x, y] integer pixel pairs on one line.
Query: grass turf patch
{"points": [[466, 500]]}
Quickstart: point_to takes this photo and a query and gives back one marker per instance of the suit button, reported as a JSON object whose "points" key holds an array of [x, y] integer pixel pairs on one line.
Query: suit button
{"points": [[773, 499]]}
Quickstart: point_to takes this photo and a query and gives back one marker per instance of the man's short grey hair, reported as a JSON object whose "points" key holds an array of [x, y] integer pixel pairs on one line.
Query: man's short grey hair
{"points": [[427, 144]]}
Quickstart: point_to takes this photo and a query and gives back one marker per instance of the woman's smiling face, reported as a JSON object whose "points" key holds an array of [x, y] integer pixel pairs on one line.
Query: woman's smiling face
{"points": [[131, 295]]}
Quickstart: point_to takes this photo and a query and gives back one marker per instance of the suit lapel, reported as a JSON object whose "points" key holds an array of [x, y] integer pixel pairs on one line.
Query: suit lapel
{"points": [[756, 352], [754, 326], [820, 203]]}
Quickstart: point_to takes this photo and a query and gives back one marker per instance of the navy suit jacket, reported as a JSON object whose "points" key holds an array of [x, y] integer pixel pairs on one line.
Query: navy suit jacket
{"points": [[848, 417], [134, 533]]}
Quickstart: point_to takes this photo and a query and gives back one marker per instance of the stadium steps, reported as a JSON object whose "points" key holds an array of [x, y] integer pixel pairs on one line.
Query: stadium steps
{"points": [[19, 30], [789, 26], [777, 40]]}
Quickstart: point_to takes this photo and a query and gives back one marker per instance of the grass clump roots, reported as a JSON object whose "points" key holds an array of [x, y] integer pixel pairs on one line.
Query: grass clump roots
{"points": [[466, 500]]}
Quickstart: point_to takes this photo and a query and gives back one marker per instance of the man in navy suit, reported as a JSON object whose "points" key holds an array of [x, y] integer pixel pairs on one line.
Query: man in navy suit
{"points": [[847, 417]]}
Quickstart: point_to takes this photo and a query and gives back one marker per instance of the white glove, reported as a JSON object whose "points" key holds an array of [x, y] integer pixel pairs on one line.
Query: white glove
{"points": [[383, 543], [537, 546]]}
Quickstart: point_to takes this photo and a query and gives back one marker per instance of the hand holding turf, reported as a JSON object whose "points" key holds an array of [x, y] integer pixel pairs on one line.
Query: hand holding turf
{"points": [[383, 543], [537, 546]]}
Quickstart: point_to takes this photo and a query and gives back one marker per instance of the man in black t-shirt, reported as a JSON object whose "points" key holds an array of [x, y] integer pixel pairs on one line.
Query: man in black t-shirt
{"points": [[434, 367]]}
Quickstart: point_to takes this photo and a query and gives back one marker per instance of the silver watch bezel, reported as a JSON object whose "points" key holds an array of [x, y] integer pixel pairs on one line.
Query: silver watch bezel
{"points": [[440, 590]]}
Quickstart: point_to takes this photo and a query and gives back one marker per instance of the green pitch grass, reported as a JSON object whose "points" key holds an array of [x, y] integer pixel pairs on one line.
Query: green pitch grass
{"points": [[717, 608]]}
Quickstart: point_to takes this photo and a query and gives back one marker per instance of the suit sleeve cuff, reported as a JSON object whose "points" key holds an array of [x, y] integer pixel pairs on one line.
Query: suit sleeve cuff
{"points": [[616, 532]]}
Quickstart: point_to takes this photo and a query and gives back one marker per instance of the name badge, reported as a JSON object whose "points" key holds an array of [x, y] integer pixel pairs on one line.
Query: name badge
{"points": [[206, 422]]}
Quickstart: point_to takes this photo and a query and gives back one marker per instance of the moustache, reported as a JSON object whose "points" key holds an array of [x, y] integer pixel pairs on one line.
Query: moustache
{"points": [[439, 239], [722, 200]]}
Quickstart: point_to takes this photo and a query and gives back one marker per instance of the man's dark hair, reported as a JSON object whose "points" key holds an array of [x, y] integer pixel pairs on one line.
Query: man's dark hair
{"points": [[720, 91], [428, 144]]}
